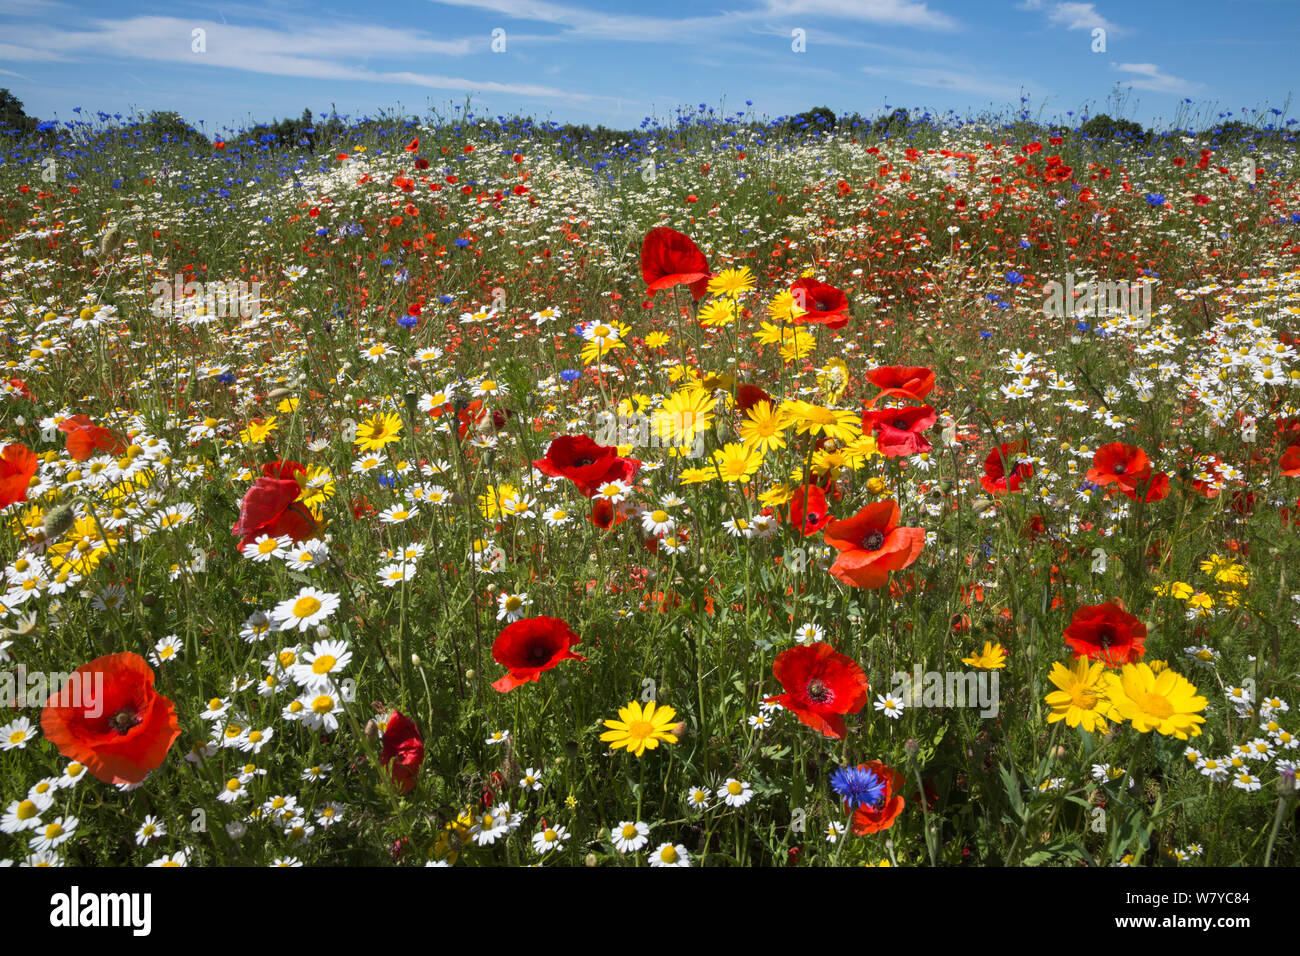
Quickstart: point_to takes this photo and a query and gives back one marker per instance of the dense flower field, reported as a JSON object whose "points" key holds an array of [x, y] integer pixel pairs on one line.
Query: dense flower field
{"points": [[461, 496]]}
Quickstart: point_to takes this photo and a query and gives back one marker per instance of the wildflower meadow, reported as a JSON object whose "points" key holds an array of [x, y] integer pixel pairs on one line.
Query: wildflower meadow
{"points": [[461, 490]]}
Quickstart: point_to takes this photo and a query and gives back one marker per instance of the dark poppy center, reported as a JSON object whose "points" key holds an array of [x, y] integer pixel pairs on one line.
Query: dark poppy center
{"points": [[124, 720], [875, 541], [823, 305], [1106, 637], [584, 462], [1118, 469], [900, 424], [818, 691], [539, 654]]}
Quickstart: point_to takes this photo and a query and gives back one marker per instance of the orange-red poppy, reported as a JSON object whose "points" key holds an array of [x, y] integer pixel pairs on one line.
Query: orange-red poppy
{"points": [[120, 727], [871, 545], [18, 464], [869, 818]]}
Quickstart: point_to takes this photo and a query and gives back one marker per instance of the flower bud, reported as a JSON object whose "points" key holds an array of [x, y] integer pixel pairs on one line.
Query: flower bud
{"points": [[911, 747], [58, 520], [372, 731], [590, 860]]}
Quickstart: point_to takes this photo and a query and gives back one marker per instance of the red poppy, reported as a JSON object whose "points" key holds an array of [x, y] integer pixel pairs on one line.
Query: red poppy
{"points": [[21, 388], [881, 815], [1290, 463], [1129, 469], [605, 514], [271, 506], [531, 646], [822, 304], [585, 463], [18, 464], [747, 396], [904, 381], [475, 414], [1003, 471], [1107, 633], [669, 258], [85, 438], [413, 145], [125, 731], [871, 545], [898, 430], [403, 749], [815, 517], [820, 685]]}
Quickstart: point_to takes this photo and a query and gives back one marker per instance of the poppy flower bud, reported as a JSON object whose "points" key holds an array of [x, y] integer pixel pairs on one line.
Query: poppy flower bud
{"points": [[149, 600], [372, 731], [277, 393], [590, 859], [679, 730], [58, 520], [981, 505], [471, 674], [236, 830], [1058, 751], [415, 660], [911, 747]]}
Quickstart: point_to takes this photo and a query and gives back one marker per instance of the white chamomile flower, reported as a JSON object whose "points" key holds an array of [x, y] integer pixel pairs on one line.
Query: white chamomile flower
{"points": [[630, 837]]}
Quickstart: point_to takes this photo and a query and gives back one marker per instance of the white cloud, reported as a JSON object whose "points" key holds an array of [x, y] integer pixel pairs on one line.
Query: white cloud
{"points": [[1074, 16], [1147, 76], [596, 23], [317, 51]]}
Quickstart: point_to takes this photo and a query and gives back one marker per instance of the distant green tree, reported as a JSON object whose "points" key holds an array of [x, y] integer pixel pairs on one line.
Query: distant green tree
{"points": [[168, 126], [13, 119], [1102, 126]]}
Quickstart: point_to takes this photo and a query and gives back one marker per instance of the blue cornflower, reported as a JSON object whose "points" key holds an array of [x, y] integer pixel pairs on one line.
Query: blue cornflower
{"points": [[1024, 243], [1156, 199], [858, 786], [226, 378], [570, 375], [1295, 218], [1015, 278], [462, 243], [446, 299], [408, 321], [1082, 326], [986, 335]]}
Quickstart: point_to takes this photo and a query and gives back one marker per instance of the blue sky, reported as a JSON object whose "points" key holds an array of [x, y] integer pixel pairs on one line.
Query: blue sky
{"points": [[614, 62]]}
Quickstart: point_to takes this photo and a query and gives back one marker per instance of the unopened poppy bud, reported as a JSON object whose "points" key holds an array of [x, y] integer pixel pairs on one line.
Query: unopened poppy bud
{"points": [[679, 730], [415, 660], [372, 731], [1058, 751], [911, 747], [471, 674], [322, 631], [981, 505], [1031, 652], [236, 830], [590, 860], [149, 600], [58, 520], [277, 393]]}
